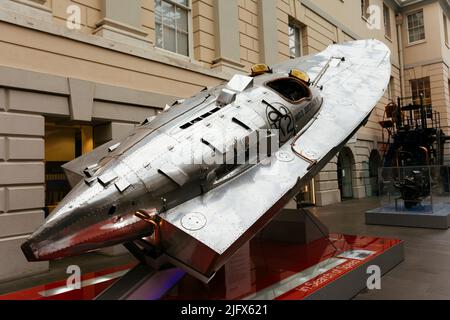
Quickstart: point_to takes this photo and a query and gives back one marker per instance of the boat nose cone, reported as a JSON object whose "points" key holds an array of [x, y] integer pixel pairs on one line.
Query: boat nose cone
{"points": [[71, 231], [90, 217], [27, 249], [54, 237]]}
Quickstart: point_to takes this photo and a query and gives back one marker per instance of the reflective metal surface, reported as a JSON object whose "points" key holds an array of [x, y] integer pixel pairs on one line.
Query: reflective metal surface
{"points": [[194, 165]]}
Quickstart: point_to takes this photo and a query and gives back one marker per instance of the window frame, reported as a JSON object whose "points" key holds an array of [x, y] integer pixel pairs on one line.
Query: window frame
{"points": [[446, 33], [296, 25], [190, 33], [387, 21], [408, 28], [391, 89], [421, 83], [365, 4], [449, 88]]}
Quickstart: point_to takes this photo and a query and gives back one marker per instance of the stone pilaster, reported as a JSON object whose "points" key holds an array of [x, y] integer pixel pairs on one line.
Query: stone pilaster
{"points": [[111, 131], [268, 31], [22, 191], [122, 25], [326, 185], [226, 16]]}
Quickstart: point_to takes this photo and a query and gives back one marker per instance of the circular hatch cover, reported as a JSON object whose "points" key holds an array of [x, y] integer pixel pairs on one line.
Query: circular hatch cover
{"points": [[193, 221]]}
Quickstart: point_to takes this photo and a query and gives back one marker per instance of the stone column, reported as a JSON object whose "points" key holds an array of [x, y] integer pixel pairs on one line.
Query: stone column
{"points": [[111, 131], [361, 180], [35, 9], [268, 34], [22, 191], [122, 22], [228, 56], [361, 174], [327, 187]]}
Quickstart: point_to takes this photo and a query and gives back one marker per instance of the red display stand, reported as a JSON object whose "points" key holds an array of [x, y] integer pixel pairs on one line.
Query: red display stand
{"points": [[293, 258]]}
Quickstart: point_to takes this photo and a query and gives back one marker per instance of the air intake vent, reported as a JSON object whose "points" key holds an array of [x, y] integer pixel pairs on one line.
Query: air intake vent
{"points": [[204, 116]]}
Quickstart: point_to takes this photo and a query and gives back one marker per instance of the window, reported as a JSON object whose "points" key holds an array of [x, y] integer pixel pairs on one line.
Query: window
{"points": [[172, 25], [387, 21], [391, 90], [445, 28], [365, 8], [295, 40], [416, 27], [421, 86]]}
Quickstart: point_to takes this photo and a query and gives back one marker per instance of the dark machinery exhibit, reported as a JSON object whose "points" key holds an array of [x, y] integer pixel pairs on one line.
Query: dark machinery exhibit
{"points": [[414, 180], [414, 138], [414, 133], [413, 189]]}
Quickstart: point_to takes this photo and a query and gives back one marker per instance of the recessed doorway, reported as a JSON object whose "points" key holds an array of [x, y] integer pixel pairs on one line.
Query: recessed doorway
{"points": [[345, 166]]}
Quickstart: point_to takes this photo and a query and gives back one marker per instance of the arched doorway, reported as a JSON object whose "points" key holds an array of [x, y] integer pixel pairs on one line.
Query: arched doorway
{"points": [[374, 166], [345, 173]]}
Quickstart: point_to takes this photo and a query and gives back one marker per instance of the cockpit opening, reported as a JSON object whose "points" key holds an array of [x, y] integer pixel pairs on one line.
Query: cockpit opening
{"points": [[290, 89]]}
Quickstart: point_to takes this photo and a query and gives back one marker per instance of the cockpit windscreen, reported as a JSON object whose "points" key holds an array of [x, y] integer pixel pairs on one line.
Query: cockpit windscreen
{"points": [[290, 89]]}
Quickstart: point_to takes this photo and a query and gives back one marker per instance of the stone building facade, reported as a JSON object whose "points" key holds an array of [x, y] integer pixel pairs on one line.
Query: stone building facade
{"points": [[77, 73]]}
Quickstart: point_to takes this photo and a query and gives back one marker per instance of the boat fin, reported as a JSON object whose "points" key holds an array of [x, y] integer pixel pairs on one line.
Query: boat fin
{"points": [[75, 170]]}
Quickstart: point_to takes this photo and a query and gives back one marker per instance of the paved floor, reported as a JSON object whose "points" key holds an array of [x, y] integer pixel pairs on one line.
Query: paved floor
{"points": [[425, 273]]}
